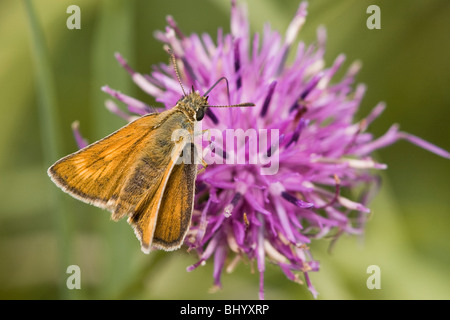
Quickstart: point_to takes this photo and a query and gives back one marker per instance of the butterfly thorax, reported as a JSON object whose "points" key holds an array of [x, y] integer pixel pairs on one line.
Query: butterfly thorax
{"points": [[193, 105]]}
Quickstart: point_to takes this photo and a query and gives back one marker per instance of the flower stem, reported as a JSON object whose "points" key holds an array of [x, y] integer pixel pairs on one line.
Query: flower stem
{"points": [[113, 33], [134, 288], [50, 135]]}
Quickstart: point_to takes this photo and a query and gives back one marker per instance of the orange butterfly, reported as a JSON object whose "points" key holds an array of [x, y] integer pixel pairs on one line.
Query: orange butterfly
{"points": [[136, 172]]}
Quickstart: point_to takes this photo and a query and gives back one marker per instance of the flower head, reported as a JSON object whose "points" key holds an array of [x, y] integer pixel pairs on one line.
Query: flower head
{"points": [[241, 213]]}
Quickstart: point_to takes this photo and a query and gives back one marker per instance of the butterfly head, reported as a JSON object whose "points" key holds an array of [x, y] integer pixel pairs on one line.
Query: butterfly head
{"points": [[193, 105]]}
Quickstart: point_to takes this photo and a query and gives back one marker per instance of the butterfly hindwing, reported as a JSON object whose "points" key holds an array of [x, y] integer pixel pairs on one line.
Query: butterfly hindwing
{"points": [[154, 206], [177, 205]]}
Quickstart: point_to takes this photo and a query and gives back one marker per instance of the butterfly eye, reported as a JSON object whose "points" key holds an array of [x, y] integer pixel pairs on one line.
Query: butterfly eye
{"points": [[200, 114]]}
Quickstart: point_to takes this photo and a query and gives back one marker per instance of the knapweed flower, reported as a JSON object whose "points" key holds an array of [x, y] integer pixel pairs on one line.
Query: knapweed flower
{"points": [[241, 213]]}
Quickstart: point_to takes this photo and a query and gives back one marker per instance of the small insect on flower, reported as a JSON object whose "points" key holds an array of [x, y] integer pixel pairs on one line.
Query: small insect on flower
{"points": [[136, 172], [240, 210]]}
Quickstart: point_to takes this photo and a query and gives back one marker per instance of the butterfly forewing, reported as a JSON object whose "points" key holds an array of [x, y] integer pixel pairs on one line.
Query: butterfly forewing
{"points": [[96, 173]]}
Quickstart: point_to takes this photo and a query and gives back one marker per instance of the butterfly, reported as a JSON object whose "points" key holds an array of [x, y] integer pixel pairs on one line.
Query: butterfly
{"points": [[142, 172]]}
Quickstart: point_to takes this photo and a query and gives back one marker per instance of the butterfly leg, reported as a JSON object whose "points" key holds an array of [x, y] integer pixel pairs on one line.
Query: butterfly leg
{"points": [[204, 164], [209, 133], [205, 150]]}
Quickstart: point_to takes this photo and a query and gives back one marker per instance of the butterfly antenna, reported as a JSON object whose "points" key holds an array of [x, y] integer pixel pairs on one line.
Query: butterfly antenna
{"points": [[174, 62], [244, 104], [215, 84]]}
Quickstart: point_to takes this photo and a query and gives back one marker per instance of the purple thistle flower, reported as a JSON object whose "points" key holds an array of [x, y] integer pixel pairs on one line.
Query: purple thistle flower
{"points": [[240, 213]]}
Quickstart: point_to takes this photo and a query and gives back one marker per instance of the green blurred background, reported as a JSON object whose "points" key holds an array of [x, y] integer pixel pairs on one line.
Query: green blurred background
{"points": [[42, 230]]}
